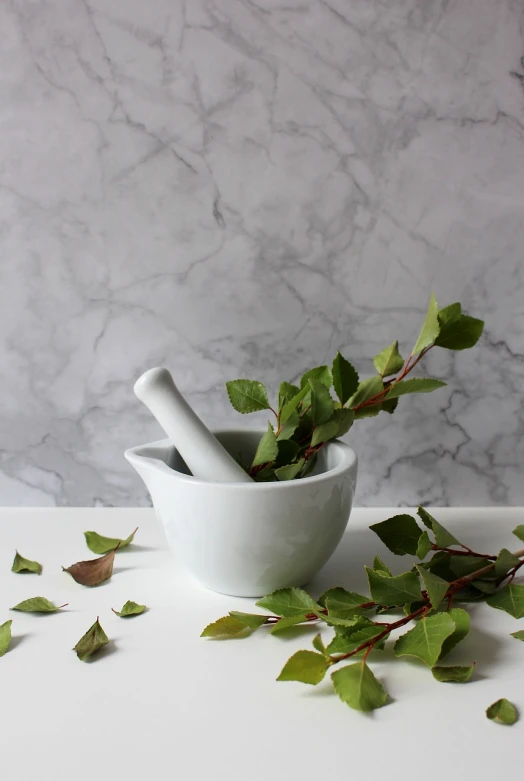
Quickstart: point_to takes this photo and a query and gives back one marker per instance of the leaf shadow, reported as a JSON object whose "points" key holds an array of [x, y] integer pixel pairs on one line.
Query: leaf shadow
{"points": [[300, 630], [16, 640], [135, 549], [107, 650], [118, 571]]}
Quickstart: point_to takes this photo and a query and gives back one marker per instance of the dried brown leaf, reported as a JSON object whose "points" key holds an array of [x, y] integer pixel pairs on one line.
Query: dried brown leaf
{"points": [[94, 571]]}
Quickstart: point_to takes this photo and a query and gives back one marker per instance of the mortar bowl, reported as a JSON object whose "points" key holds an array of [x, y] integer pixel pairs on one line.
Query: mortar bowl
{"points": [[249, 539]]}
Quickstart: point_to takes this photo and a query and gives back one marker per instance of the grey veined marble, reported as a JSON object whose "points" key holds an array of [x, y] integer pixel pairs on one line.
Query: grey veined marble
{"points": [[236, 188]]}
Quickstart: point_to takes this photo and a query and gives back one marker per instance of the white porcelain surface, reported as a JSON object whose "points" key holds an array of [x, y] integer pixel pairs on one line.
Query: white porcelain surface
{"points": [[237, 189], [248, 539]]}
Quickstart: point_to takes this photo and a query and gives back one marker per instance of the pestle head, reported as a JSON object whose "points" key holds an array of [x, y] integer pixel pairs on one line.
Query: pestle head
{"points": [[152, 380]]}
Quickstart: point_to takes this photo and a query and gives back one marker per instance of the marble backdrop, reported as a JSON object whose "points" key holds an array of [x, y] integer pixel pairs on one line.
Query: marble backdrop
{"points": [[237, 188]]}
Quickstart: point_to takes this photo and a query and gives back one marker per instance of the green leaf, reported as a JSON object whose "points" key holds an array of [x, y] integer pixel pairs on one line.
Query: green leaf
{"points": [[449, 314], [504, 562], [129, 609], [400, 534], [466, 565], [458, 333], [347, 640], [289, 602], [345, 378], [289, 427], [503, 712], [379, 566], [453, 674], [318, 644], [510, 598], [342, 603], [435, 586], [426, 638], [344, 419], [247, 396], [366, 391], [369, 412], [25, 565], [321, 402], [324, 433], [519, 532], [287, 452], [424, 546], [290, 406], [394, 591], [289, 472], [5, 637], [99, 544], [461, 620], [287, 623], [267, 449], [487, 587], [389, 406], [94, 639], [286, 392], [518, 635], [357, 687], [389, 361], [443, 538], [304, 666], [430, 328], [227, 626], [37, 605], [320, 373], [414, 385]]}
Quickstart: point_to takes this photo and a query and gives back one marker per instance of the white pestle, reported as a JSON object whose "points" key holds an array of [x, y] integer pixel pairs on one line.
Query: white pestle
{"points": [[200, 449]]}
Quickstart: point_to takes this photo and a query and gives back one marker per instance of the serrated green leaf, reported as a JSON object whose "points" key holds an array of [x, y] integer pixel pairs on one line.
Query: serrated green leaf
{"points": [[129, 609], [487, 587], [25, 565], [510, 598], [290, 406], [504, 562], [518, 635], [449, 314], [400, 534], [346, 641], [306, 667], [389, 406], [424, 545], [342, 603], [366, 390], [394, 591], [93, 640], [247, 396], [320, 373], [289, 472], [37, 605], [435, 586], [503, 712], [321, 402], [414, 385], [332, 620], [453, 674], [426, 638], [368, 412], [344, 419], [379, 566], [389, 361], [345, 378], [267, 449], [289, 427], [430, 328], [287, 623], [289, 602], [519, 532], [286, 392], [287, 452], [466, 565], [99, 544], [461, 620], [227, 626], [439, 564], [5, 637], [443, 538], [318, 644], [459, 333], [324, 433], [357, 687]]}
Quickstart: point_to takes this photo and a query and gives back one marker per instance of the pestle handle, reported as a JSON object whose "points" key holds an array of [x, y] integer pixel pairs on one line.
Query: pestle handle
{"points": [[200, 449]]}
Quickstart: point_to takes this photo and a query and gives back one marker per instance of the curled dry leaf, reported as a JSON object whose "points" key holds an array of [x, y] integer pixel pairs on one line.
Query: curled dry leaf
{"points": [[94, 571], [91, 642]]}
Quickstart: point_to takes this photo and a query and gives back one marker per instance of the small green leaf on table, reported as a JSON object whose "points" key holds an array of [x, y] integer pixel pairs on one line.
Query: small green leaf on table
{"points": [[357, 687], [395, 591], [93, 571], [348, 639], [414, 385], [227, 626], [267, 449], [306, 667], [93, 640], [247, 396], [400, 534], [443, 538], [342, 603], [5, 637], [510, 598], [518, 635], [430, 327], [129, 609], [460, 618], [426, 638], [345, 378], [252, 620], [289, 602], [287, 623], [20, 564], [37, 605], [503, 712], [436, 587], [454, 674], [519, 532], [99, 544]]}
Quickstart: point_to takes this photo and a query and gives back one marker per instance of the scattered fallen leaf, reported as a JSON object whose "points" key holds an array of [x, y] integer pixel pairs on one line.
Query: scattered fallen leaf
{"points": [[25, 565], [37, 605], [5, 637], [94, 571], [94, 639], [99, 544], [129, 609], [503, 712]]}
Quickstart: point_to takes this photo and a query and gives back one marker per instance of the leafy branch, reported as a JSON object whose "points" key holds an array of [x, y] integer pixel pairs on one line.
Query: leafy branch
{"points": [[308, 417], [427, 595]]}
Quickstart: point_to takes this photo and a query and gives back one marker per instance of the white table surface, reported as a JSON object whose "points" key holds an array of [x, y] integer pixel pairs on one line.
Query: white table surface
{"points": [[161, 702]]}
